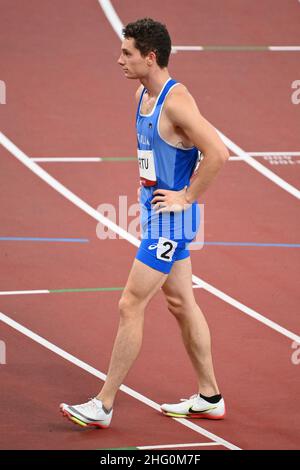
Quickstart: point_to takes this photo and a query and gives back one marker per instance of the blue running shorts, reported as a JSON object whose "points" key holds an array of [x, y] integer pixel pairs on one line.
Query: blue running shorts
{"points": [[161, 253], [166, 236]]}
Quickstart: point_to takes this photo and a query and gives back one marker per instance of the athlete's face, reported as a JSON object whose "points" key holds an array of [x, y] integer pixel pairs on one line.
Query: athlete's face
{"points": [[132, 62]]}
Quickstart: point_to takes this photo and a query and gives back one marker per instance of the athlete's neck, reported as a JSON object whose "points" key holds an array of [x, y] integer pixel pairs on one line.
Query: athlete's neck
{"points": [[155, 83]]}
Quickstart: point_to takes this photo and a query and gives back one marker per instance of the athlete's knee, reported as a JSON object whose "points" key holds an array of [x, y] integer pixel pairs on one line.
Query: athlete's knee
{"points": [[130, 305], [178, 306]]}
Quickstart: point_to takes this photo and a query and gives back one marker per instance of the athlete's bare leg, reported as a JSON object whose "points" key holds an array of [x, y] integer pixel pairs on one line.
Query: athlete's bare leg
{"points": [[179, 293], [143, 282]]}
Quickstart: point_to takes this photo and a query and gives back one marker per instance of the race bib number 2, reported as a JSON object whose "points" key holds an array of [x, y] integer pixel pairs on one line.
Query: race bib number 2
{"points": [[147, 167], [165, 249]]}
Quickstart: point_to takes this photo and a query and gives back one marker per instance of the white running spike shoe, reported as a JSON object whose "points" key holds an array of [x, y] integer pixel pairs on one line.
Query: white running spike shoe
{"points": [[195, 407], [90, 414]]}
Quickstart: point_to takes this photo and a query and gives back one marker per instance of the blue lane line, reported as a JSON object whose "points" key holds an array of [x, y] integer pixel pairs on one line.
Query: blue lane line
{"points": [[284, 245], [33, 239], [85, 240]]}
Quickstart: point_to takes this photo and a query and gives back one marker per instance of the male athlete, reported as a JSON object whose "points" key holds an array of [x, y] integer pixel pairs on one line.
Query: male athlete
{"points": [[170, 130]]}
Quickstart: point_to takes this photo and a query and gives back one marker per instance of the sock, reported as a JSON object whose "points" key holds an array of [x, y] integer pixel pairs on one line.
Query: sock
{"points": [[213, 399], [106, 410]]}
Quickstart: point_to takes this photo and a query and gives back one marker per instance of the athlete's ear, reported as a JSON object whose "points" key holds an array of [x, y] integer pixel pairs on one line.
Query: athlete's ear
{"points": [[151, 57]]}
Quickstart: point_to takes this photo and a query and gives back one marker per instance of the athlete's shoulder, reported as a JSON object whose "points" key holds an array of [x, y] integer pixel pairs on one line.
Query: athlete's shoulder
{"points": [[178, 89], [179, 98]]}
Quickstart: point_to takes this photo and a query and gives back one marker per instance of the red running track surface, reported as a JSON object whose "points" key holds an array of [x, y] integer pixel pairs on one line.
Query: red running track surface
{"points": [[67, 97]]}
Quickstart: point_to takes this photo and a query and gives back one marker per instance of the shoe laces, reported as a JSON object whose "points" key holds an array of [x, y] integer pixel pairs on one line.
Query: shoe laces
{"points": [[187, 399], [95, 402], [92, 404]]}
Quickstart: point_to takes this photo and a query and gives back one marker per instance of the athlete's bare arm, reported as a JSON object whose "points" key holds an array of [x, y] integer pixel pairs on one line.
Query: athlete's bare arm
{"points": [[182, 111]]}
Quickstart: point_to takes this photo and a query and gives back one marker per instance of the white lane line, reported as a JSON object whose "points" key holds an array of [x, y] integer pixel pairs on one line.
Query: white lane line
{"points": [[236, 159], [23, 158], [80, 159], [91, 370], [275, 154], [112, 17], [232, 158], [66, 159], [117, 25], [187, 48], [178, 446], [238, 48], [284, 48], [24, 292]]}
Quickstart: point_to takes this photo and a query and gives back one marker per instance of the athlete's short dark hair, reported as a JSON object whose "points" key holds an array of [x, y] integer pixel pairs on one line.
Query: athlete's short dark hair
{"points": [[150, 35]]}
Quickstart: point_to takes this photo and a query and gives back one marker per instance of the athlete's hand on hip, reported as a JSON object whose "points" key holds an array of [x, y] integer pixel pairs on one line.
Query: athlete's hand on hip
{"points": [[166, 200]]}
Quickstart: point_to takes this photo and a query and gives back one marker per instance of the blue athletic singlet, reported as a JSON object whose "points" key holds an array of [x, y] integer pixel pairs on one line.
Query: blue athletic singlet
{"points": [[163, 166]]}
